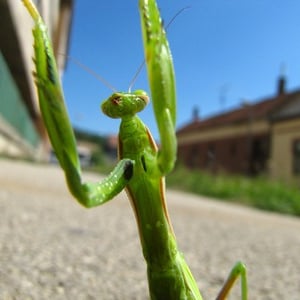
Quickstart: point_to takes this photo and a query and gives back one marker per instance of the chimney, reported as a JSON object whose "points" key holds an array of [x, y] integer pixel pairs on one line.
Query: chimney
{"points": [[281, 85], [281, 80], [196, 117]]}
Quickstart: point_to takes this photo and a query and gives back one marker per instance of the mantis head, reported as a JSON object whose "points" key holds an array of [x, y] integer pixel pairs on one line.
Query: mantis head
{"points": [[120, 105]]}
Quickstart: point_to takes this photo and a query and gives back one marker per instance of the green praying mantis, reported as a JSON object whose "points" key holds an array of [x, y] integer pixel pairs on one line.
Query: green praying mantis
{"points": [[142, 166]]}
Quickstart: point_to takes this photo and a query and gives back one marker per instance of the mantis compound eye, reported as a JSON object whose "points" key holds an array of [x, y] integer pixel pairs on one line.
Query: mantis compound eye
{"points": [[116, 100], [142, 95]]}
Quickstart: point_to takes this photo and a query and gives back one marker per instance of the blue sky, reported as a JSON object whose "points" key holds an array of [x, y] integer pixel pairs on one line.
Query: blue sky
{"points": [[224, 52]]}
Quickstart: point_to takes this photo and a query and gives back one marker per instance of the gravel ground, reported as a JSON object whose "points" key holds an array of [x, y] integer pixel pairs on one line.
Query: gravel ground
{"points": [[52, 248]]}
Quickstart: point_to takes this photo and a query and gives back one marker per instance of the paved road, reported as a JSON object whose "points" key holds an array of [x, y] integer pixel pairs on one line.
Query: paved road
{"points": [[52, 248]]}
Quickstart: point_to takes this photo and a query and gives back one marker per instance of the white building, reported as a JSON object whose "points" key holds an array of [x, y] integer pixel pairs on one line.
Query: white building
{"points": [[22, 133]]}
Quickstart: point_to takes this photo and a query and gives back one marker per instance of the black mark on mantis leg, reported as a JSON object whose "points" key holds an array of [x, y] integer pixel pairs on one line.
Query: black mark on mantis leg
{"points": [[128, 170], [144, 163]]}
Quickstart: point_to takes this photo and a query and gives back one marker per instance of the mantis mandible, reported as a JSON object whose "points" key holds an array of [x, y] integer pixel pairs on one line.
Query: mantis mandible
{"points": [[142, 166]]}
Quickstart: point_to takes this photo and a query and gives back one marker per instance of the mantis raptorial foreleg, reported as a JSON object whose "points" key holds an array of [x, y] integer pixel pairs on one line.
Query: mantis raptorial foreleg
{"points": [[162, 82], [142, 166], [59, 128]]}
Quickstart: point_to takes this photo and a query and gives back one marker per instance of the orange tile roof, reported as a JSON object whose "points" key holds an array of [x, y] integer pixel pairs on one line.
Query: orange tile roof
{"points": [[259, 110]]}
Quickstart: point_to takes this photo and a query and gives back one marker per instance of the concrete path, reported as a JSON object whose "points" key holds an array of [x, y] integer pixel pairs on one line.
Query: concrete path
{"points": [[52, 248]]}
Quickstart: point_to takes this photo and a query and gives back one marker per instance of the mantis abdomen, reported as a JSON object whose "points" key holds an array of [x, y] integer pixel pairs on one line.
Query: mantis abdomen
{"points": [[168, 274]]}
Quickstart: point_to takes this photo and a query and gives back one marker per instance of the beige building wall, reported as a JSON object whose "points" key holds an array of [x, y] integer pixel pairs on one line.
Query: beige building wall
{"points": [[24, 24], [284, 135]]}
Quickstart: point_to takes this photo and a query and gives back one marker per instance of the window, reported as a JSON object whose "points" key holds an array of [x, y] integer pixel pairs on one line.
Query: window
{"points": [[210, 156], [296, 157]]}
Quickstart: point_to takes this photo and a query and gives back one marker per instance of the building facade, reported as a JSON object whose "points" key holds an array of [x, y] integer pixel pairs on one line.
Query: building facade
{"points": [[22, 133], [256, 138]]}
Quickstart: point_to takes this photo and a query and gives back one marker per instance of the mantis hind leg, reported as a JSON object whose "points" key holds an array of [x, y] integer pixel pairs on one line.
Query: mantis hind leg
{"points": [[239, 270]]}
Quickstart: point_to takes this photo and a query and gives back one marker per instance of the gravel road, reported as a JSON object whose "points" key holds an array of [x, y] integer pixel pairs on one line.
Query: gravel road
{"points": [[52, 248]]}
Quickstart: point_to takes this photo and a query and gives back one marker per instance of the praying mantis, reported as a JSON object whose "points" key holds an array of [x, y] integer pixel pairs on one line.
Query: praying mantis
{"points": [[142, 166]]}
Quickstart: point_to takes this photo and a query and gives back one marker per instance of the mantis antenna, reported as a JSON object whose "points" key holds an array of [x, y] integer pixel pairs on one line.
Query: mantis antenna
{"points": [[93, 73], [139, 69]]}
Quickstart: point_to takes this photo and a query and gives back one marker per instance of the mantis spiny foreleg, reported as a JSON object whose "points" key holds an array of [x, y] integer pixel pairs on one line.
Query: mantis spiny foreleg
{"points": [[60, 131]]}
